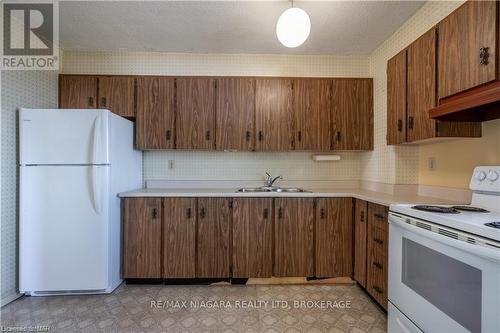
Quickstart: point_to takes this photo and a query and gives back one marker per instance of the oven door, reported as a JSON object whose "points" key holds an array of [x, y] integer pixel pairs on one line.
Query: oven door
{"points": [[440, 283]]}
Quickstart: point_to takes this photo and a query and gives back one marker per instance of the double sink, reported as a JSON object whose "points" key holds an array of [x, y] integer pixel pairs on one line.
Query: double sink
{"points": [[271, 189]]}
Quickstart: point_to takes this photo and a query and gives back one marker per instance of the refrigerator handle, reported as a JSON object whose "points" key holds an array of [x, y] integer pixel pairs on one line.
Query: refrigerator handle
{"points": [[97, 139], [95, 175]]}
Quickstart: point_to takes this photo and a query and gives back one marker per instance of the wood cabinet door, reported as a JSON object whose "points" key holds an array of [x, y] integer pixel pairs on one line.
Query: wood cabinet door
{"points": [[116, 93], [142, 229], [195, 113], [179, 241], [252, 237], [462, 35], [235, 113], [77, 92], [421, 87], [334, 236], [155, 119], [360, 229], [213, 237], [294, 245], [274, 114], [313, 123], [352, 109], [396, 99]]}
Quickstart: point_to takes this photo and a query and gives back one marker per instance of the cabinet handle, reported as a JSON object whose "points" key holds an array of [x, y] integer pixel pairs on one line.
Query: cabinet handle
{"points": [[337, 136], [378, 241], [362, 217], [484, 55], [378, 215], [299, 136], [266, 213], [188, 213], [410, 122], [400, 125], [202, 212], [280, 213], [247, 136], [207, 135], [377, 289], [155, 213], [103, 101], [322, 213], [378, 265], [168, 135], [261, 136], [91, 101]]}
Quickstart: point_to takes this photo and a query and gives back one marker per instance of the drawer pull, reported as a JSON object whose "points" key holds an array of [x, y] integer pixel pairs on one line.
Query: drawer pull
{"points": [[266, 213], [202, 212], [168, 135], [484, 55], [155, 213], [261, 136], [299, 136], [377, 289], [362, 217], [103, 101], [280, 213], [378, 241], [188, 213], [379, 216], [378, 265], [207, 135], [322, 213], [91, 101], [247, 136]]}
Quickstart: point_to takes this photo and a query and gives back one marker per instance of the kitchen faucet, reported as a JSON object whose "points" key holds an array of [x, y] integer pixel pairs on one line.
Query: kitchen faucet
{"points": [[270, 180]]}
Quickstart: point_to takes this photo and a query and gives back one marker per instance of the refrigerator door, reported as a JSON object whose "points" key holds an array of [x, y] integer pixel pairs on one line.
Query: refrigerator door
{"points": [[64, 222], [58, 136]]}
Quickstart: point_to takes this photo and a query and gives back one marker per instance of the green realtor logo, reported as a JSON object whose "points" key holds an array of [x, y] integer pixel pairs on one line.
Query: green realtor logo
{"points": [[28, 29]]}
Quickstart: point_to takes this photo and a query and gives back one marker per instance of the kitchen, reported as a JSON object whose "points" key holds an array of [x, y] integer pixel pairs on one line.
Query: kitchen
{"points": [[363, 120]]}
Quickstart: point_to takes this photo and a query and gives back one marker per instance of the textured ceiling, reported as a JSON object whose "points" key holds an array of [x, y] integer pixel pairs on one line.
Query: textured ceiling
{"points": [[337, 27]]}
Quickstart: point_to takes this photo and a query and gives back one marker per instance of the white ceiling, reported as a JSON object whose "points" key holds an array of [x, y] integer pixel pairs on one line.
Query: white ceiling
{"points": [[337, 27]]}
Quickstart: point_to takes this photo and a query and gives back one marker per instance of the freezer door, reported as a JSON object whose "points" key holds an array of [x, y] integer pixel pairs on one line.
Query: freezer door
{"points": [[58, 136], [64, 225]]}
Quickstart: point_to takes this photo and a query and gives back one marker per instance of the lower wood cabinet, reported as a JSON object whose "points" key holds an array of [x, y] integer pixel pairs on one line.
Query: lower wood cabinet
{"points": [[252, 237], [142, 229], [179, 240], [360, 229], [377, 247], [333, 241], [213, 238], [293, 235]]}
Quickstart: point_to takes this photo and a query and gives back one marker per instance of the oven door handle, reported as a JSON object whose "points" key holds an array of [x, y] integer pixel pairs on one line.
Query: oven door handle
{"points": [[490, 254]]}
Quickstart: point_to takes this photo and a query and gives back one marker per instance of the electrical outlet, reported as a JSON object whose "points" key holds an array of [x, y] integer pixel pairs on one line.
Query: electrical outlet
{"points": [[431, 163]]}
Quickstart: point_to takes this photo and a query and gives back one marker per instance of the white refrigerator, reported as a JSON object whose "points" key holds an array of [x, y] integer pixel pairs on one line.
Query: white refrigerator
{"points": [[73, 163]]}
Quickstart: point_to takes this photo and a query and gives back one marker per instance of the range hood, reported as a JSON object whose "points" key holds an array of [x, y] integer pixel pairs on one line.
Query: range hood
{"points": [[477, 104]]}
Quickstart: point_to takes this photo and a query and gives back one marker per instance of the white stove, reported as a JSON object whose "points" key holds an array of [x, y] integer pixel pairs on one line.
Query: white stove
{"points": [[444, 262]]}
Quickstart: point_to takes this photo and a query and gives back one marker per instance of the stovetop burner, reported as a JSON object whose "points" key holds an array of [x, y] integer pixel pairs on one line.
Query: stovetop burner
{"points": [[493, 225], [471, 209], [437, 209]]}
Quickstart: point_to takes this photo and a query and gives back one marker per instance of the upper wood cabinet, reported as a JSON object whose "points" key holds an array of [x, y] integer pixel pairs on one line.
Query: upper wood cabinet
{"points": [[235, 113], [467, 47], [274, 114], [294, 244], [179, 240], [313, 114], [334, 234], [155, 117], [116, 93], [396, 99], [195, 113], [77, 91], [352, 114], [142, 228], [252, 237], [213, 238]]}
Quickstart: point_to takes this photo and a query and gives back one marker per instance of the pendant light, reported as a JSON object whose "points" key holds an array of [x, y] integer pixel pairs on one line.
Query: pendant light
{"points": [[293, 27]]}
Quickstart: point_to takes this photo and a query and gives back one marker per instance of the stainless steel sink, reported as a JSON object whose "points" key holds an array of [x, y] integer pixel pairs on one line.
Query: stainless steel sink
{"points": [[271, 189]]}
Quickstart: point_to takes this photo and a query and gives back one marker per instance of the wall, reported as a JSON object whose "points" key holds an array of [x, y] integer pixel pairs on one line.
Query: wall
{"points": [[35, 89], [229, 165]]}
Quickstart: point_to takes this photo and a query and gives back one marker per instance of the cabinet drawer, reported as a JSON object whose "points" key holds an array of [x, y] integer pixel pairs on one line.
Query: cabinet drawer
{"points": [[377, 240], [377, 216]]}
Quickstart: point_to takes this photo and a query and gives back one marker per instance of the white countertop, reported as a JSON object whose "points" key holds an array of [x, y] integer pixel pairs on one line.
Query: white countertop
{"points": [[371, 196]]}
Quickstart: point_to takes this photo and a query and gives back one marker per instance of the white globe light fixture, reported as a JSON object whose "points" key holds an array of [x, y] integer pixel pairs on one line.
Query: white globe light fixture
{"points": [[293, 27]]}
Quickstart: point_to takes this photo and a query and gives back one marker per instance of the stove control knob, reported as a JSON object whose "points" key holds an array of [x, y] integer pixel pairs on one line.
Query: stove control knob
{"points": [[480, 176], [492, 175]]}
